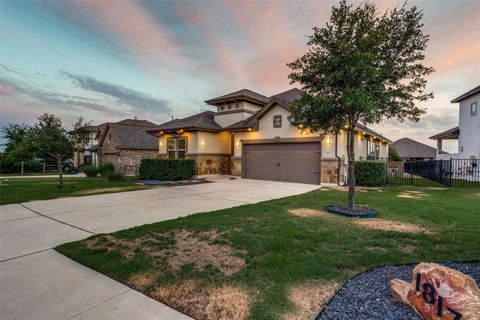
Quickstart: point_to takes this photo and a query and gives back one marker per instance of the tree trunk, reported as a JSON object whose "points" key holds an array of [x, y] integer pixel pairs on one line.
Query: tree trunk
{"points": [[23, 168], [60, 174], [351, 168]]}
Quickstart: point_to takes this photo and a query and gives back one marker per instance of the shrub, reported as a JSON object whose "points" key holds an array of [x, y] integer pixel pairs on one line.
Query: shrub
{"points": [[371, 173], [167, 169], [114, 176], [90, 171], [10, 165], [106, 169]]}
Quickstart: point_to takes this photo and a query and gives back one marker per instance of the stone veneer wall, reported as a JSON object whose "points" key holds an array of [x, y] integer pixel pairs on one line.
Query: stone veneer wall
{"points": [[214, 164], [236, 166], [330, 169], [130, 159]]}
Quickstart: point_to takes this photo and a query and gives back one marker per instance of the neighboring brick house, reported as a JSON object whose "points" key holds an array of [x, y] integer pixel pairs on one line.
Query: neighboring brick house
{"points": [[250, 135], [126, 143]]}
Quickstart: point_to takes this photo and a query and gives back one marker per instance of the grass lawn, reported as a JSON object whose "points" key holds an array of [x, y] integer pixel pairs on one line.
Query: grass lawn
{"points": [[254, 259], [22, 190]]}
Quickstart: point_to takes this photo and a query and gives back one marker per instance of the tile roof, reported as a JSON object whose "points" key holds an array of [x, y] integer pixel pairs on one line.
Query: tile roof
{"points": [[409, 148], [204, 120]]}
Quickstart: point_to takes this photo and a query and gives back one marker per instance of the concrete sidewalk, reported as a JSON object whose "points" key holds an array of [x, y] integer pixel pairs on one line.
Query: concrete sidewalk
{"points": [[38, 283]]}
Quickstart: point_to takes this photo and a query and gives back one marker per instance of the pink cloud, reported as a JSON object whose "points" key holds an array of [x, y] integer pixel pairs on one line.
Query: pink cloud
{"points": [[6, 90], [135, 29]]}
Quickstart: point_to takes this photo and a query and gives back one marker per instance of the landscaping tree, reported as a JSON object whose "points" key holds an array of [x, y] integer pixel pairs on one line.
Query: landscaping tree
{"points": [[52, 140], [361, 66], [18, 148], [393, 154]]}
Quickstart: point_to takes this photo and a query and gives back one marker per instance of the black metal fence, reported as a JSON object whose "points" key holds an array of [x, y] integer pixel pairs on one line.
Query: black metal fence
{"points": [[457, 173]]}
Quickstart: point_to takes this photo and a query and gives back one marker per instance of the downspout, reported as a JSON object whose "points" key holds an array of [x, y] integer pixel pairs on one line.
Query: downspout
{"points": [[338, 158]]}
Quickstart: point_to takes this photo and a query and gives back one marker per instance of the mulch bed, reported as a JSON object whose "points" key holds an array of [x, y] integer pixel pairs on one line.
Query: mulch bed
{"points": [[368, 296], [358, 212], [171, 183]]}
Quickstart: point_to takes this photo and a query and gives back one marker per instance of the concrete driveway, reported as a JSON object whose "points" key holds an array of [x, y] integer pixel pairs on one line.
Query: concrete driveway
{"points": [[36, 282]]}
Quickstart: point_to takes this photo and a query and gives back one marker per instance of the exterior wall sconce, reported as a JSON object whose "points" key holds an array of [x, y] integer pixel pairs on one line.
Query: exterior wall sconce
{"points": [[202, 143], [249, 129], [300, 126], [238, 143], [329, 140], [161, 143], [346, 126]]}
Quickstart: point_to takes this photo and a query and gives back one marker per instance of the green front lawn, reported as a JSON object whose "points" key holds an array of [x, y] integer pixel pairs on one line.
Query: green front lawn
{"points": [[22, 190], [267, 250]]}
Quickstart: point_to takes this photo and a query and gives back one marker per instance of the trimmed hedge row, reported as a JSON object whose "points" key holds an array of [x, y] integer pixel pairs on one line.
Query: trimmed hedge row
{"points": [[167, 169], [371, 173]]}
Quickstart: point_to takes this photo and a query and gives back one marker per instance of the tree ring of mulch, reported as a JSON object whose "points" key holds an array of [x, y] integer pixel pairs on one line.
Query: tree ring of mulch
{"points": [[367, 296], [358, 212]]}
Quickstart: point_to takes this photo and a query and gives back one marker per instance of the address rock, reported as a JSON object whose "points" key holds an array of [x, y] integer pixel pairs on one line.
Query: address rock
{"points": [[439, 293]]}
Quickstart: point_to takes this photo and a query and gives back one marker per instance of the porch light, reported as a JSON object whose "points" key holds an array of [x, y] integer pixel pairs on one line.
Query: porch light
{"points": [[300, 126], [202, 143], [180, 131], [346, 126], [161, 143], [249, 129], [161, 132], [237, 143], [329, 140]]}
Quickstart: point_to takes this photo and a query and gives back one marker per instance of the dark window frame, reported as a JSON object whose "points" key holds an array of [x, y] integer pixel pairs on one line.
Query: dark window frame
{"points": [[277, 121], [473, 110]]}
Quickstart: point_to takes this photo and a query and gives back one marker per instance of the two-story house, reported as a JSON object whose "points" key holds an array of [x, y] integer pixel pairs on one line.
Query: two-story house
{"points": [[468, 130], [249, 135]]}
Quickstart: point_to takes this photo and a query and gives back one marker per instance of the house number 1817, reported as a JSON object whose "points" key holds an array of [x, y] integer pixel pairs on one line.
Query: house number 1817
{"points": [[428, 295]]}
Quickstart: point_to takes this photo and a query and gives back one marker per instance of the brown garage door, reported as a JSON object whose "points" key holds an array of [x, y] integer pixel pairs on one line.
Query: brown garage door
{"points": [[291, 162]]}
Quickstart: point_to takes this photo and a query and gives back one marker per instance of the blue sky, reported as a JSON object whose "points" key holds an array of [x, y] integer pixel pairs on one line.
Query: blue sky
{"points": [[108, 61]]}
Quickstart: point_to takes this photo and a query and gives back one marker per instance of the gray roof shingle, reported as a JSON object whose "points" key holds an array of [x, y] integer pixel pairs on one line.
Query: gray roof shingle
{"points": [[240, 94], [409, 148], [203, 121], [132, 134]]}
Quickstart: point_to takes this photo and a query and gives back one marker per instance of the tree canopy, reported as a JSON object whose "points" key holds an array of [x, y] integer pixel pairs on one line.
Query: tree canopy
{"points": [[361, 66]]}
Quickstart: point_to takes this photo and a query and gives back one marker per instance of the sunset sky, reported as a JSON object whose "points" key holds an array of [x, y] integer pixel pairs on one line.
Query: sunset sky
{"points": [[112, 60]]}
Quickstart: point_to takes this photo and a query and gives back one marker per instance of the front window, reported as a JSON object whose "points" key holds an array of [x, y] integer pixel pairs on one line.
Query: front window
{"points": [[373, 150], [277, 121], [176, 148], [473, 109]]}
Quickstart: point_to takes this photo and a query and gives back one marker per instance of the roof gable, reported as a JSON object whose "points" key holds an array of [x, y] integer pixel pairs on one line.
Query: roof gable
{"points": [[409, 148], [466, 95], [128, 136]]}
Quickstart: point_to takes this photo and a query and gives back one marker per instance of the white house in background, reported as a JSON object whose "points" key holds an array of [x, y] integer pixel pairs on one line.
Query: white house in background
{"points": [[468, 131]]}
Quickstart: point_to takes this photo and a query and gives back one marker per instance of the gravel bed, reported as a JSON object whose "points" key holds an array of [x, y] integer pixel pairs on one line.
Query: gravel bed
{"points": [[368, 295]]}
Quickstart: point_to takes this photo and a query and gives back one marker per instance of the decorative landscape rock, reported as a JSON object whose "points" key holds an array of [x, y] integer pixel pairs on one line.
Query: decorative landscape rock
{"points": [[439, 293]]}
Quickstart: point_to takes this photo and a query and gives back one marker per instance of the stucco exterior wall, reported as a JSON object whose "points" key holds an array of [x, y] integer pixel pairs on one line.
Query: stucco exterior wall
{"points": [[192, 142], [227, 119], [212, 142], [469, 138]]}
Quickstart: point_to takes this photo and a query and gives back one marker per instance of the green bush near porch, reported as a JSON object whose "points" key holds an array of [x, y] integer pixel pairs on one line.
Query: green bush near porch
{"points": [[371, 173], [167, 169]]}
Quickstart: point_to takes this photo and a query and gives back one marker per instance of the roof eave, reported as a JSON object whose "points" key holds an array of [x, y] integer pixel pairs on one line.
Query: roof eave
{"points": [[466, 95]]}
